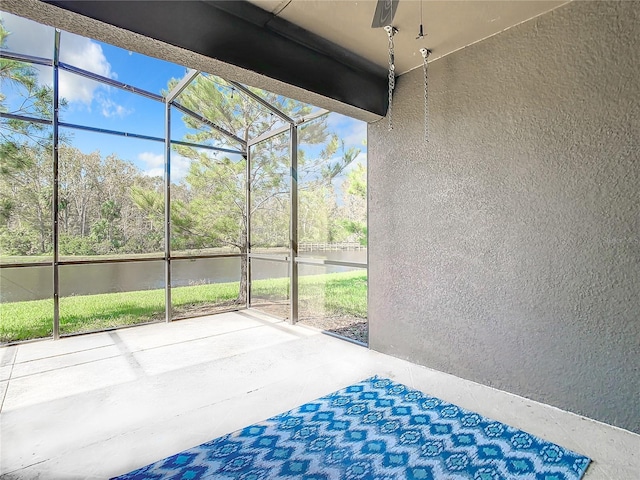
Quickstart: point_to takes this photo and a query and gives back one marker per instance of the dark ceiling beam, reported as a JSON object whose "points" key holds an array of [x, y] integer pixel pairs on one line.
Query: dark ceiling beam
{"points": [[241, 34]]}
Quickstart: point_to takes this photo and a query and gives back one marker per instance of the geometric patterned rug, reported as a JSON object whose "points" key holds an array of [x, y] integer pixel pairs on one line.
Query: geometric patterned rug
{"points": [[375, 429]]}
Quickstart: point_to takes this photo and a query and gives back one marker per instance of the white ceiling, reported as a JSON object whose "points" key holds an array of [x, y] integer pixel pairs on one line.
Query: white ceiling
{"points": [[448, 25]]}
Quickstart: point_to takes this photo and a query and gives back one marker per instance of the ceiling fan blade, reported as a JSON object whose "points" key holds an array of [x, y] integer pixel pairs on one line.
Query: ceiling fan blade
{"points": [[385, 10]]}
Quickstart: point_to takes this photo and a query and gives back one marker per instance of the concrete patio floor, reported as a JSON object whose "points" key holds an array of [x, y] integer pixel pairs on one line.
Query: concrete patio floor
{"points": [[100, 405]]}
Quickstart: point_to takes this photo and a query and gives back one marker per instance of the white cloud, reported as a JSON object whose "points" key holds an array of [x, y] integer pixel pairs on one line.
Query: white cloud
{"points": [[86, 54], [110, 109], [179, 167], [153, 165], [77, 89]]}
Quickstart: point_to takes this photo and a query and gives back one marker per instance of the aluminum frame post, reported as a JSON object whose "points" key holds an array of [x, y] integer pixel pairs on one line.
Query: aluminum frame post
{"points": [[293, 227], [248, 210], [168, 311], [55, 192]]}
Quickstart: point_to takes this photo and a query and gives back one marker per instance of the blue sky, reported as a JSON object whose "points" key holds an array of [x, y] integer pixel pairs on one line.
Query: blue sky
{"points": [[97, 105]]}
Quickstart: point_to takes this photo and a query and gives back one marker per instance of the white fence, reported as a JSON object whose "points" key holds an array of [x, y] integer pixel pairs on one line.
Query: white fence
{"points": [[323, 247]]}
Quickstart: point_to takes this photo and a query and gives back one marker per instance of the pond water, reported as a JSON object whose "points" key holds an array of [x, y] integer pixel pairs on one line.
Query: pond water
{"points": [[35, 283]]}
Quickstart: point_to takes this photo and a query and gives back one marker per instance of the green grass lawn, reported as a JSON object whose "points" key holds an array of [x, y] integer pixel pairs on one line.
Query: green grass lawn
{"points": [[334, 293]]}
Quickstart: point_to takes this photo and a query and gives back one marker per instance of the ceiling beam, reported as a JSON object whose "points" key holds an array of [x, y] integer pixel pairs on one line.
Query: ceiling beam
{"points": [[241, 34]]}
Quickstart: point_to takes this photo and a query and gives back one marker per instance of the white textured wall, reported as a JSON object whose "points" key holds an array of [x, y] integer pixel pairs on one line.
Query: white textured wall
{"points": [[507, 250]]}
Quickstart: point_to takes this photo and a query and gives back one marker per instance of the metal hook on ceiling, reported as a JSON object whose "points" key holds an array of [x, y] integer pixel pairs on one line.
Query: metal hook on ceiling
{"points": [[421, 30]]}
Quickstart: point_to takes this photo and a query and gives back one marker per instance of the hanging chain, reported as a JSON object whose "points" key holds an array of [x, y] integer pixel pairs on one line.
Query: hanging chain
{"points": [[391, 31], [425, 54]]}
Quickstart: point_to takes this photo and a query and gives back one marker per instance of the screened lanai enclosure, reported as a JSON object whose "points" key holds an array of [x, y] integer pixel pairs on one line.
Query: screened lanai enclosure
{"points": [[135, 190]]}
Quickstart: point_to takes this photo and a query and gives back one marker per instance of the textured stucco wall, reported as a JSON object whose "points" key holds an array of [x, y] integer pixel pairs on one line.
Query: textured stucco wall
{"points": [[507, 250]]}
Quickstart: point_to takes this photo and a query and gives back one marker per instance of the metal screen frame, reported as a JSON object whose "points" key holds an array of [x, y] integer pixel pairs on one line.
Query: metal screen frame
{"points": [[169, 101]]}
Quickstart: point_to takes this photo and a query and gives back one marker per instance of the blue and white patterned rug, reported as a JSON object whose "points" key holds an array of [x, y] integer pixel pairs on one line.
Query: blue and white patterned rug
{"points": [[375, 429]]}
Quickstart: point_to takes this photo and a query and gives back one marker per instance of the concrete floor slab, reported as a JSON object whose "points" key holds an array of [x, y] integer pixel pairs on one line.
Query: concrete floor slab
{"points": [[67, 382], [618, 447], [8, 355], [5, 372], [157, 335], [173, 386], [46, 349], [3, 390], [177, 356], [41, 365]]}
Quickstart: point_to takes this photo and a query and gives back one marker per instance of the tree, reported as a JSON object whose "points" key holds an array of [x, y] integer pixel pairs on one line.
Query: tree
{"points": [[98, 207], [354, 208], [316, 210], [28, 98], [209, 206], [26, 204], [25, 159]]}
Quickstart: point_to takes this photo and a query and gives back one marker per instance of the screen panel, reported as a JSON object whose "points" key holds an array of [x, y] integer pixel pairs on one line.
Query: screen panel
{"points": [[107, 295], [26, 303], [26, 193], [27, 37], [334, 298], [204, 286], [270, 287], [270, 194], [332, 189], [111, 197], [208, 202]]}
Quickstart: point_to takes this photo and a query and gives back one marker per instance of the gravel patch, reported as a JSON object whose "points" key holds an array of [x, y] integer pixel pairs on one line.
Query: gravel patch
{"points": [[347, 326]]}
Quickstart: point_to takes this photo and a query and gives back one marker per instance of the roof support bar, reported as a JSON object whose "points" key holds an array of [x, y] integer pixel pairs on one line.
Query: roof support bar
{"points": [[21, 57], [207, 147], [22, 118], [182, 84], [44, 121], [262, 102], [312, 116], [110, 81], [110, 132], [208, 122], [269, 134]]}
